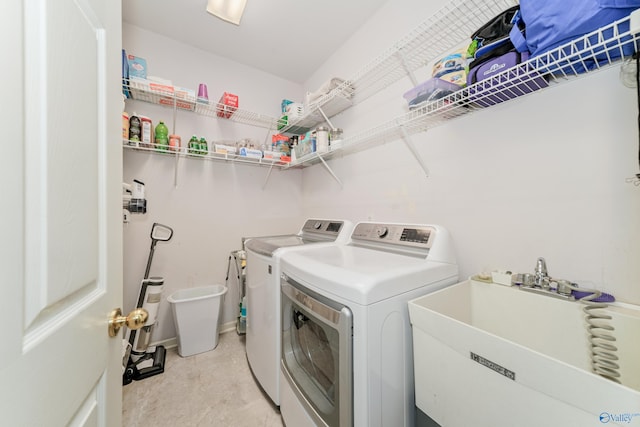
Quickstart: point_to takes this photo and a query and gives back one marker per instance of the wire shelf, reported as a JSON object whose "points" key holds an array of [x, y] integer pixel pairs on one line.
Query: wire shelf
{"points": [[442, 32], [445, 30], [160, 95], [211, 155], [593, 52], [314, 117]]}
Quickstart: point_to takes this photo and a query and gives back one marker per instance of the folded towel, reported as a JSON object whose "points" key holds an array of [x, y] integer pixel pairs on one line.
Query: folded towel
{"points": [[327, 87]]}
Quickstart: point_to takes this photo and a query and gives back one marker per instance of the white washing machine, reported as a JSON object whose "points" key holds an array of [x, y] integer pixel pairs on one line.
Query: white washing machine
{"points": [[347, 357], [263, 293]]}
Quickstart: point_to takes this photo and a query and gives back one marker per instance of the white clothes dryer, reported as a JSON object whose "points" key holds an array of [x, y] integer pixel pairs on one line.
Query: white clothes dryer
{"points": [[263, 293], [347, 355]]}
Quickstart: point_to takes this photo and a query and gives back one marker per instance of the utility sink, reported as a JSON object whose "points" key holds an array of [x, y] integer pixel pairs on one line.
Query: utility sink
{"points": [[493, 355]]}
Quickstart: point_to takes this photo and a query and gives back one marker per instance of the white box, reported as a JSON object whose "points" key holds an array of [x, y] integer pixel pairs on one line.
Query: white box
{"points": [[501, 277], [250, 152], [225, 149]]}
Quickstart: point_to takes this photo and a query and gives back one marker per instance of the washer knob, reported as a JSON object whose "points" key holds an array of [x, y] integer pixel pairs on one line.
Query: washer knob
{"points": [[382, 231], [317, 225]]}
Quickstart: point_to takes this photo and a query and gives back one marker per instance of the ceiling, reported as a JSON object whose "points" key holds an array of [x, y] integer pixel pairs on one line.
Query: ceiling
{"points": [[286, 38]]}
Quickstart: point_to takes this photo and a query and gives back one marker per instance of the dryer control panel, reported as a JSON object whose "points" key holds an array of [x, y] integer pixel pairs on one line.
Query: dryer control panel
{"points": [[417, 236]]}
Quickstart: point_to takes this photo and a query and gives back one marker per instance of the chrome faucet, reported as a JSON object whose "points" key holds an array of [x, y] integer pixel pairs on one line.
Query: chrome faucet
{"points": [[540, 282], [541, 277]]}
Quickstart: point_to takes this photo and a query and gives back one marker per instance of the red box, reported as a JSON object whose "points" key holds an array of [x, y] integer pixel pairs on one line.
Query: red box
{"points": [[279, 137], [227, 105]]}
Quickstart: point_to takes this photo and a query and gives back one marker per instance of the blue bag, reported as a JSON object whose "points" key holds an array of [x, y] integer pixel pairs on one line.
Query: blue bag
{"points": [[552, 23]]}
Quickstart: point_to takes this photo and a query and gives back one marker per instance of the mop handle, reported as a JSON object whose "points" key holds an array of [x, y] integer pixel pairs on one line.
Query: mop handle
{"points": [[165, 235], [162, 237]]}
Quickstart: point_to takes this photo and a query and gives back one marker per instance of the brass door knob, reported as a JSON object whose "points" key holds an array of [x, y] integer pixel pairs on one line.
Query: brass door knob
{"points": [[135, 320]]}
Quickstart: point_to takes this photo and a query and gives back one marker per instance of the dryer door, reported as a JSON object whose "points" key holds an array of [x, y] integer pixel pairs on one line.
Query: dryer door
{"points": [[317, 349]]}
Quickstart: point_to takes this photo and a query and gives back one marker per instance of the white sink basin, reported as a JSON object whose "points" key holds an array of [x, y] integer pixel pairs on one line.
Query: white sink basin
{"points": [[492, 355]]}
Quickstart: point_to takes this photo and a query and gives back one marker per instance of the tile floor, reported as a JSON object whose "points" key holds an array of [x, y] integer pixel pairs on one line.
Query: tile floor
{"points": [[212, 389]]}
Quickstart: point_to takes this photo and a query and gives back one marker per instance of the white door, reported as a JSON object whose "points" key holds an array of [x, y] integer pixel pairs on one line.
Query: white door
{"points": [[61, 232]]}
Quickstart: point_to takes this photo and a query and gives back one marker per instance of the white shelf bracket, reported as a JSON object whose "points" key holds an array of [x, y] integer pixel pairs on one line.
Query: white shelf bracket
{"points": [[407, 140], [403, 59], [175, 115], [331, 171], [175, 169], [326, 118], [267, 177], [267, 143]]}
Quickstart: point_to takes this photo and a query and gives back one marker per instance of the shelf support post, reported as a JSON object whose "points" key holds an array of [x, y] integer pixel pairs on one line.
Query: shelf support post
{"points": [[326, 118], [407, 140], [331, 171], [267, 178], [266, 138], [175, 114], [175, 168]]}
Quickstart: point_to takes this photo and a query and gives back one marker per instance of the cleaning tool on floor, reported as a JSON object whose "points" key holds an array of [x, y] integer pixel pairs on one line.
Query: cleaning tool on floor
{"points": [[240, 263], [146, 361]]}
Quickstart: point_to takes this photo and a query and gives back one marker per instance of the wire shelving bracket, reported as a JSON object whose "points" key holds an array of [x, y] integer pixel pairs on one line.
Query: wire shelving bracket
{"points": [[409, 143]]}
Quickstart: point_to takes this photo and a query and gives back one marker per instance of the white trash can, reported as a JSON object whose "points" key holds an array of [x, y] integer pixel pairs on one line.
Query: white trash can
{"points": [[196, 313]]}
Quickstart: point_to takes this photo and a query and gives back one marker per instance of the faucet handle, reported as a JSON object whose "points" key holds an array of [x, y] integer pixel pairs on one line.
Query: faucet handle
{"points": [[541, 267], [565, 287]]}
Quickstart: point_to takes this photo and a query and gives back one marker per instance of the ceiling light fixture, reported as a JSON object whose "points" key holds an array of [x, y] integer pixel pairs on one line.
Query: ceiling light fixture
{"points": [[227, 10]]}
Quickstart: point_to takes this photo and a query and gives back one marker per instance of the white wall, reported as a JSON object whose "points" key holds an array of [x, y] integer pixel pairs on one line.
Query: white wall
{"points": [[214, 204], [543, 175]]}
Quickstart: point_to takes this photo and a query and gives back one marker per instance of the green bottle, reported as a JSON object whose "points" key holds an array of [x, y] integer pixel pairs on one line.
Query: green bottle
{"points": [[204, 149], [194, 145], [162, 136]]}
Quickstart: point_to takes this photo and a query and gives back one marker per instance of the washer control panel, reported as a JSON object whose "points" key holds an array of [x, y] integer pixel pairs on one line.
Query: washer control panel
{"points": [[323, 226]]}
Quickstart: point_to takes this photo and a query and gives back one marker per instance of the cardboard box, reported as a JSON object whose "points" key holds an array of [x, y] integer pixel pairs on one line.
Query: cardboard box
{"points": [[160, 93], [227, 105], [250, 152], [185, 98], [224, 149], [137, 66], [273, 155], [186, 94], [280, 143], [306, 144], [146, 90]]}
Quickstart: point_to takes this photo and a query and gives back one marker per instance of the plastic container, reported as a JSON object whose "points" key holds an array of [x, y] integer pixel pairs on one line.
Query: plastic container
{"points": [[203, 147], [322, 139], [430, 90], [134, 129], [294, 111], [203, 94], [174, 142], [335, 139], [194, 145], [196, 313], [125, 125], [146, 131], [162, 136]]}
